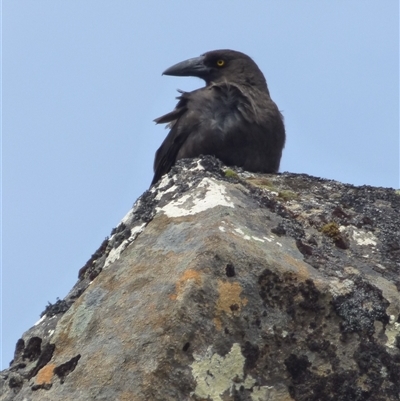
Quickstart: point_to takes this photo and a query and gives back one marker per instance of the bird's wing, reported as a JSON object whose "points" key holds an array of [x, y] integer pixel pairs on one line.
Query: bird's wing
{"points": [[198, 114], [180, 108], [166, 154]]}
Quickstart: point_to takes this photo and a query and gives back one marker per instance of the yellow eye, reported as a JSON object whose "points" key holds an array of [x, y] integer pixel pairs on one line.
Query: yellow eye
{"points": [[220, 63]]}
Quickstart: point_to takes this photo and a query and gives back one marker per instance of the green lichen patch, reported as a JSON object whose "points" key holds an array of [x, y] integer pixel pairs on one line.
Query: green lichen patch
{"points": [[231, 174], [262, 183], [287, 195], [331, 230]]}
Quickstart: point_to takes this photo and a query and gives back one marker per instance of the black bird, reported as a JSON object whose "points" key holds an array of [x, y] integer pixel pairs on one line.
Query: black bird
{"points": [[233, 117]]}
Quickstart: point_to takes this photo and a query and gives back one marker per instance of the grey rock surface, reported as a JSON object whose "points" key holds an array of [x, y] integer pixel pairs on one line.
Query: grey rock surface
{"points": [[224, 285]]}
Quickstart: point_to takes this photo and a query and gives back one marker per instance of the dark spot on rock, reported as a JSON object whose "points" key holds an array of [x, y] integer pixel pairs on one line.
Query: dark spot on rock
{"points": [[186, 347], [360, 308], [313, 325], [268, 281], [340, 213], [230, 270], [310, 295], [318, 345], [334, 387], [305, 249], [251, 352], [394, 244], [32, 349], [342, 243], [279, 230], [93, 258], [16, 382], [93, 274], [312, 240], [211, 164], [120, 238], [61, 306], [19, 349], [297, 366], [146, 208], [17, 366], [121, 227], [257, 322], [367, 221], [62, 371], [77, 293], [234, 307], [43, 360], [44, 386], [375, 362]]}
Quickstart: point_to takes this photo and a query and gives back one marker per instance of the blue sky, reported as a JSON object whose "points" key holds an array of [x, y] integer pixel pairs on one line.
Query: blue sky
{"points": [[81, 84]]}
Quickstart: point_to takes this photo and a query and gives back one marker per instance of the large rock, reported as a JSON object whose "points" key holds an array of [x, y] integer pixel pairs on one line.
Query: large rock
{"points": [[224, 285]]}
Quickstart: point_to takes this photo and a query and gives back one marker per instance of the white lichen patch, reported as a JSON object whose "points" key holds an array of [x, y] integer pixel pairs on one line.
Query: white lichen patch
{"points": [[162, 193], [257, 239], [162, 183], [363, 237], [199, 167], [239, 232], [216, 375], [115, 253], [246, 236], [40, 320], [207, 195], [337, 287], [392, 331]]}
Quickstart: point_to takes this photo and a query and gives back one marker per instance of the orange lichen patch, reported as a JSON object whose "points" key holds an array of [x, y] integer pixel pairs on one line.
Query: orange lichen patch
{"points": [[229, 300], [189, 274], [45, 374], [217, 323]]}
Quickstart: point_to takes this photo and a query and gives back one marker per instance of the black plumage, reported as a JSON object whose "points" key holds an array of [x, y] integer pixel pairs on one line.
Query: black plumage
{"points": [[233, 117]]}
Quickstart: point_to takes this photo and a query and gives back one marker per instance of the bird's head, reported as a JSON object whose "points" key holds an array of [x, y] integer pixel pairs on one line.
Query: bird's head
{"points": [[220, 65]]}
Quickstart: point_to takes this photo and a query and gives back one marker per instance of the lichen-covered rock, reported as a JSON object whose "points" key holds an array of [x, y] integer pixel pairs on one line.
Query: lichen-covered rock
{"points": [[224, 285]]}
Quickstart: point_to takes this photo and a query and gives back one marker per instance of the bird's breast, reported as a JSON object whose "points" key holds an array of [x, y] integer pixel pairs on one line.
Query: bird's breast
{"points": [[222, 112]]}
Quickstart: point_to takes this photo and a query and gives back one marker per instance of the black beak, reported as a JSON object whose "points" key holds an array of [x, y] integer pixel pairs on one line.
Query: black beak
{"points": [[194, 67]]}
